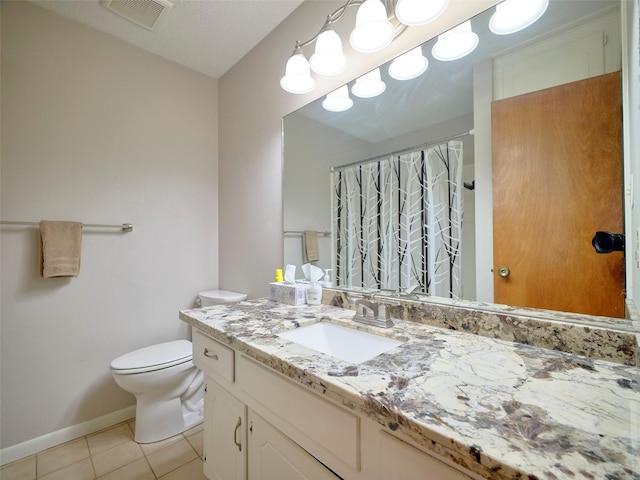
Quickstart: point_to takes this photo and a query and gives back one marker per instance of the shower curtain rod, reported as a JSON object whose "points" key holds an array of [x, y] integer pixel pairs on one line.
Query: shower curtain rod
{"points": [[404, 150], [125, 227]]}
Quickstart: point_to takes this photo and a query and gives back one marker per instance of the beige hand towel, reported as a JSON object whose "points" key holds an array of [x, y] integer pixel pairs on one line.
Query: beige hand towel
{"points": [[61, 246], [310, 246]]}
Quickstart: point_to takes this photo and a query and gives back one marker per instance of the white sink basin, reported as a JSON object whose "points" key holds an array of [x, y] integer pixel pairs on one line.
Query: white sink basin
{"points": [[347, 344]]}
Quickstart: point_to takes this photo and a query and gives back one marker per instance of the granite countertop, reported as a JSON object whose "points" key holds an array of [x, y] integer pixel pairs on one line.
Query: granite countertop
{"points": [[500, 409]]}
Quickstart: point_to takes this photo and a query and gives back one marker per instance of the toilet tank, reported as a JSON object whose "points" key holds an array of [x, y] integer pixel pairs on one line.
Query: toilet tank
{"points": [[214, 297]]}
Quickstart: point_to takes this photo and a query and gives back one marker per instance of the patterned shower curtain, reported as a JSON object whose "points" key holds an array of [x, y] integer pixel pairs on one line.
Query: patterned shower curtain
{"points": [[398, 222]]}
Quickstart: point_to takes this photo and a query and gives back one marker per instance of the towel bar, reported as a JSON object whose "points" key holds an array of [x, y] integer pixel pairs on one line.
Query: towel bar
{"points": [[125, 227], [300, 232]]}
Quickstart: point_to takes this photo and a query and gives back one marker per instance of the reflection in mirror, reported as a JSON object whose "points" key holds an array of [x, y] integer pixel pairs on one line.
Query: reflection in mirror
{"points": [[447, 111]]}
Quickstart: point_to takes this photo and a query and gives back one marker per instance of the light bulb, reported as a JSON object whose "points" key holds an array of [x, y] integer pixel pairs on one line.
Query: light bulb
{"points": [[328, 58], [515, 15], [369, 85], [373, 30], [297, 77], [455, 43], [409, 65], [419, 12], [338, 100]]}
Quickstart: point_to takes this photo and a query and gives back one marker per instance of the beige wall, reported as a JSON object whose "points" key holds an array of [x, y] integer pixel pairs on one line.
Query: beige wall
{"points": [[252, 105], [95, 130]]}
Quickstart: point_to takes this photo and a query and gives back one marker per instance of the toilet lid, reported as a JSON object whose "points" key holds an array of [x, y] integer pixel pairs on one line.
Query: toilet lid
{"points": [[155, 357], [223, 295]]}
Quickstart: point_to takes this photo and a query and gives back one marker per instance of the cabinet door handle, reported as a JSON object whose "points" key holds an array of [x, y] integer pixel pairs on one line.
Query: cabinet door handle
{"points": [[235, 435], [209, 354]]}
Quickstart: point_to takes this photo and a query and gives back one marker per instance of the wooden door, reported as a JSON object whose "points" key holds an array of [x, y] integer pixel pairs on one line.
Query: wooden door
{"points": [[557, 179]]}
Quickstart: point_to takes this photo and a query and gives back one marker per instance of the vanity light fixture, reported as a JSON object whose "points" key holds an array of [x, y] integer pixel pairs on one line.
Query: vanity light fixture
{"points": [[409, 65], [375, 29], [514, 15], [419, 12], [338, 100], [369, 85], [455, 43]]}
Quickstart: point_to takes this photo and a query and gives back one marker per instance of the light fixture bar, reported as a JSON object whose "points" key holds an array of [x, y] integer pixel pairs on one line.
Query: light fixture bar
{"points": [[328, 58], [332, 18]]}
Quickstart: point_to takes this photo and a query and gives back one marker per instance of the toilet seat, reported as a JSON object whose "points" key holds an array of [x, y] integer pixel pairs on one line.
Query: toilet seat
{"points": [[222, 296], [155, 357]]}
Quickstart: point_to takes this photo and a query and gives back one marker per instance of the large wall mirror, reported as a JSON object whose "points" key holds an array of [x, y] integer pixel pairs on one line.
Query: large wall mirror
{"points": [[464, 101]]}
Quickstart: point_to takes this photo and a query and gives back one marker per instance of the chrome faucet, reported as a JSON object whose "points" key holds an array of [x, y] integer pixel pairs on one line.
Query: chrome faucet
{"points": [[372, 313]]}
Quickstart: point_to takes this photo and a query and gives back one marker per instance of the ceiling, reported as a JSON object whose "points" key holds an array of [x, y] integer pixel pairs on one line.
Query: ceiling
{"points": [[209, 36]]}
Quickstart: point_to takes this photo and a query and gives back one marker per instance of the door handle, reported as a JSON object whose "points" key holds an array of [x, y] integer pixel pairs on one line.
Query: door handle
{"points": [[504, 272], [607, 242], [235, 435]]}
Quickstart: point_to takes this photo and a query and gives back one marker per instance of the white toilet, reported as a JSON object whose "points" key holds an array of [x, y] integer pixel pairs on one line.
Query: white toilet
{"points": [[168, 387]]}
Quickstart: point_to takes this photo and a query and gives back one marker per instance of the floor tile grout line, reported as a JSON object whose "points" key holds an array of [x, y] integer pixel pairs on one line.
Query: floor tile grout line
{"points": [[93, 466]]}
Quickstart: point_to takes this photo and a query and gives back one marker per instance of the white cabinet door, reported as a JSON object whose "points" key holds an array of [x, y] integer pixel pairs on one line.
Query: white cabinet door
{"points": [[273, 456], [403, 461], [225, 448]]}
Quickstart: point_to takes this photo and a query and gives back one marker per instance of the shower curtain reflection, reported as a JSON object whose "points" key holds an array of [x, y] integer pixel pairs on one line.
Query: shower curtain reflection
{"points": [[398, 221]]}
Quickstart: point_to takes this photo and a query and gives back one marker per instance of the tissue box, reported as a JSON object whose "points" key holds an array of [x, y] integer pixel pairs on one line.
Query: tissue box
{"points": [[287, 293]]}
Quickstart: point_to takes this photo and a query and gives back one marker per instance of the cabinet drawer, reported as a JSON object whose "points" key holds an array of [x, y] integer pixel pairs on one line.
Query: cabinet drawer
{"points": [[213, 358]]}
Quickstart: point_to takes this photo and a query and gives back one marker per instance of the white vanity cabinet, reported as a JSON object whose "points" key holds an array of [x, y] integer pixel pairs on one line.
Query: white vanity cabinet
{"points": [[238, 443], [261, 425]]}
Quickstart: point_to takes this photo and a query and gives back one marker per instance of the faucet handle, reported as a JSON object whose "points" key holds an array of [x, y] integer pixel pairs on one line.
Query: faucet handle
{"points": [[384, 310]]}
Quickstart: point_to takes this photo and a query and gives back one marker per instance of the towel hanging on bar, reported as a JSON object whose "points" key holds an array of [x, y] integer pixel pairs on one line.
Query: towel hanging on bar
{"points": [[310, 246], [61, 247]]}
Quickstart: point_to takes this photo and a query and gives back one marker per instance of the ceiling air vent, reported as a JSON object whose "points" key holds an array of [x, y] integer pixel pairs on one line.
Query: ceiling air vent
{"points": [[146, 13]]}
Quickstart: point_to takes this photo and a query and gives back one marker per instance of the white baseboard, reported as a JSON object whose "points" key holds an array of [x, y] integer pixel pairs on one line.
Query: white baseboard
{"points": [[36, 445]]}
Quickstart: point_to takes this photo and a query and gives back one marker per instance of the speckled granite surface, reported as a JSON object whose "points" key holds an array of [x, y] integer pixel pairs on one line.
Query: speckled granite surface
{"points": [[500, 409], [615, 340]]}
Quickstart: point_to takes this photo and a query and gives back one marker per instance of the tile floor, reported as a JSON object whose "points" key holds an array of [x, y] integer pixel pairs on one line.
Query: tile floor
{"points": [[112, 454]]}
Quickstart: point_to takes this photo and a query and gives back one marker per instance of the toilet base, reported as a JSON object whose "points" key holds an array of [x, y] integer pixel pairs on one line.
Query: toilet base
{"points": [[157, 421], [160, 423]]}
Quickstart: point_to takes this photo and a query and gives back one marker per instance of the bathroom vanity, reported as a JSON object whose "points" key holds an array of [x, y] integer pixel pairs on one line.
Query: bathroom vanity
{"points": [[443, 403]]}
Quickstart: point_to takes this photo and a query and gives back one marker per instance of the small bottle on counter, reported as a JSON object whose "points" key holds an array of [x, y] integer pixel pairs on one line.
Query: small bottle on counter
{"points": [[314, 294], [279, 277], [327, 278]]}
